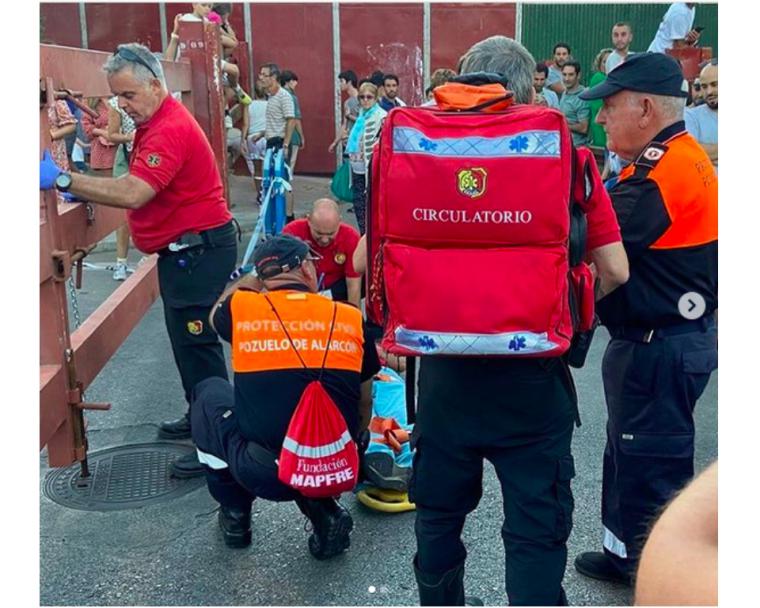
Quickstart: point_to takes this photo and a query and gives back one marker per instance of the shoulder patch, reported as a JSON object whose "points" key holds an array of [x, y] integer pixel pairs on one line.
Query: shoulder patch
{"points": [[651, 155]]}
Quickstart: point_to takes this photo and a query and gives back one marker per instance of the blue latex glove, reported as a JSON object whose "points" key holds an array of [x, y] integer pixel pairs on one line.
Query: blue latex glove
{"points": [[49, 171]]}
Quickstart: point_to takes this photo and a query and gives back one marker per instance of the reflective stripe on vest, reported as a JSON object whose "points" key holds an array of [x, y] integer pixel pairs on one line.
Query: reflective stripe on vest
{"points": [[260, 344]]}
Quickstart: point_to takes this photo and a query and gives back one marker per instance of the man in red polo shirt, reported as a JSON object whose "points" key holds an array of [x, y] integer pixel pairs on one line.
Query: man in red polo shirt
{"points": [[175, 206], [335, 241]]}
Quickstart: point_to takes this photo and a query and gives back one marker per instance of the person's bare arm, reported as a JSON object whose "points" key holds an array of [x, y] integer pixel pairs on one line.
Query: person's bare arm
{"points": [[354, 289], [289, 128], [170, 54], [299, 130], [113, 131], [61, 132], [125, 192], [679, 563], [360, 255], [610, 266]]}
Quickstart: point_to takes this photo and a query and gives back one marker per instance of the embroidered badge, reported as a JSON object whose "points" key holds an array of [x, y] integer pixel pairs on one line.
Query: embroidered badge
{"points": [[340, 258], [154, 160], [472, 182], [653, 153], [195, 327]]}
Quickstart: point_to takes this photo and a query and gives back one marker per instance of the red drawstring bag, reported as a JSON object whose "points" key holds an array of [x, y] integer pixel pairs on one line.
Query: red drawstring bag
{"points": [[319, 458]]}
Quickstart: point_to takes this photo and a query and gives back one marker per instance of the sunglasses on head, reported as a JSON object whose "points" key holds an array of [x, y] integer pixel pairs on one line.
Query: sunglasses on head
{"points": [[366, 96], [134, 58]]}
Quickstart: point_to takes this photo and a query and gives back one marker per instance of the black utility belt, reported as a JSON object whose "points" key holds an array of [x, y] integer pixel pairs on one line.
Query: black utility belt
{"points": [[638, 334], [208, 239]]}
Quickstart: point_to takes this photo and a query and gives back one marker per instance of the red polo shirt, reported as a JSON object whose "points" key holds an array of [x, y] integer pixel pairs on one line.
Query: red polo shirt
{"points": [[337, 257], [171, 153]]}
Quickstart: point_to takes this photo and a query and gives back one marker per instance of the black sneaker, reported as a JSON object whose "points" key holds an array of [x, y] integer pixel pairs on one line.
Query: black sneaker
{"points": [[175, 429], [236, 527], [596, 564], [381, 470], [332, 526], [186, 466]]}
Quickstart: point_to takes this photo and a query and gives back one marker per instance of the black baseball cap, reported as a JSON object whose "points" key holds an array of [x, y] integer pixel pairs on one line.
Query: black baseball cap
{"points": [[281, 253], [655, 73]]}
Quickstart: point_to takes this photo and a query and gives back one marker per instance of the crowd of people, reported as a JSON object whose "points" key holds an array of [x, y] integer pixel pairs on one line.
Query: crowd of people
{"points": [[651, 241]]}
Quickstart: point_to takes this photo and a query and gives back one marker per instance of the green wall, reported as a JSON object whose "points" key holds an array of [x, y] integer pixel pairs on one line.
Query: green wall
{"points": [[587, 28]]}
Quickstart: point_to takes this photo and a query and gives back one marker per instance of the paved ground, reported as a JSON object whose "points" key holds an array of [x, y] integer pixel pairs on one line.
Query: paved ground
{"points": [[172, 553]]}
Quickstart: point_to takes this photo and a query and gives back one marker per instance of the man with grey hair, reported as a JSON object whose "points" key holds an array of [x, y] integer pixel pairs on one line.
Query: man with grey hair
{"points": [[175, 206], [516, 412], [663, 344]]}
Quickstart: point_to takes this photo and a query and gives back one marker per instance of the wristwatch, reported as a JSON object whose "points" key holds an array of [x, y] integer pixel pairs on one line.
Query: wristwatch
{"points": [[63, 181]]}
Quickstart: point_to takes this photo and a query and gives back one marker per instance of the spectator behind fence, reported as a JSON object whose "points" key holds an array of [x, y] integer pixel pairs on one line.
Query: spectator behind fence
{"points": [[361, 140], [544, 95], [597, 136], [675, 30], [280, 115], [121, 132], [347, 83], [702, 121], [390, 98], [560, 56], [622, 36], [289, 82], [437, 78], [576, 110], [62, 123], [254, 142]]}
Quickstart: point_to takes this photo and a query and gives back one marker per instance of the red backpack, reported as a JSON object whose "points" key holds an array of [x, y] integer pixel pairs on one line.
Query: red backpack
{"points": [[477, 229], [319, 458]]}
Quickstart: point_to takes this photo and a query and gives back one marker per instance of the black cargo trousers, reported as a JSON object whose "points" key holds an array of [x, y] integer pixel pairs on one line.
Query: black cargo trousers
{"points": [[190, 281], [519, 415]]}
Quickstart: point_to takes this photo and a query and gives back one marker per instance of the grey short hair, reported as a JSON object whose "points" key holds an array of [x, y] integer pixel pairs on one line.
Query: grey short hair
{"points": [[672, 108], [116, 63], [506, 57]]}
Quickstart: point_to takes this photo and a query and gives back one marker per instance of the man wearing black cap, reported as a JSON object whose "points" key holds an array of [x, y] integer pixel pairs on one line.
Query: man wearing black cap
{"points": [[663, 343], [239, 432]]}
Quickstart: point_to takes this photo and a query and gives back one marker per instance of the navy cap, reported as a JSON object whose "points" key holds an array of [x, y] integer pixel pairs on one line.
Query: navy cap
{"points": [[281, 253], [654, 73]]}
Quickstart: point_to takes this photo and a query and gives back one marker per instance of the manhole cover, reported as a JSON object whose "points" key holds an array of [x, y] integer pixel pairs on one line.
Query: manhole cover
{"points": [[124, 477]]}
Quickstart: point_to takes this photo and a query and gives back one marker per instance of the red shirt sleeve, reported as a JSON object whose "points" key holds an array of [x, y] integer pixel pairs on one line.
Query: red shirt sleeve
{"points": [[157, 158], [351, 240], [603, 227]]}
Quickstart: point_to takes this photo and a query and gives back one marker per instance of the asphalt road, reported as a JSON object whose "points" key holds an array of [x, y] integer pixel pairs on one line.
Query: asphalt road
{"points": [[172, 553]]}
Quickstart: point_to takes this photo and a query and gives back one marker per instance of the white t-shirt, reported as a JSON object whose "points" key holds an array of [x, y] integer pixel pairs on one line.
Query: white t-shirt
{"points": [[257, 116], [675, 25], [614, 60]]}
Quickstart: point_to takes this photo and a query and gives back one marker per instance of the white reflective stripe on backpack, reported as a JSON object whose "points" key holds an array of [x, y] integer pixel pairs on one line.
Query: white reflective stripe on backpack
{"points": [[321, 451], [442, 343]]}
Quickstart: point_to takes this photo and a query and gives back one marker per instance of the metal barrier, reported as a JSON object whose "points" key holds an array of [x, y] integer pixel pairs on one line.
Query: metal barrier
{"points": [[70, 361]]}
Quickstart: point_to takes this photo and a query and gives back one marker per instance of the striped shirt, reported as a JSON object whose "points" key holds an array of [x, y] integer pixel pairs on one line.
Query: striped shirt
{"points": [[279, 109]]}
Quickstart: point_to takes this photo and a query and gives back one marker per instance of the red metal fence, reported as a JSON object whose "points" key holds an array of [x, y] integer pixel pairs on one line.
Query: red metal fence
{"points": [[70, 361]]}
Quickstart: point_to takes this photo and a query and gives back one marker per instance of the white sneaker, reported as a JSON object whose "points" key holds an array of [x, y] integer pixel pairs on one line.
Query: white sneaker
{"points": [[120, 272]]}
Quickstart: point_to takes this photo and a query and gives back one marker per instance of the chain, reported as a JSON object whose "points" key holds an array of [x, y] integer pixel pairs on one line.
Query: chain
{"points": [[74, 302]]}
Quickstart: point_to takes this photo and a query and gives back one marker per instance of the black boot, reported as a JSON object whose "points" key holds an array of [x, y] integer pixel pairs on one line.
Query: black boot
{"points": [[187, 466], [596, 564], [236, 527], [332, 526], [443, 589], [175, 429]]}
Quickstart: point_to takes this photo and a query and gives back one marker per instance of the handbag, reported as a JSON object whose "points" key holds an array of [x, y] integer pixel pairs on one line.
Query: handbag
{"points": [[340, 186]]}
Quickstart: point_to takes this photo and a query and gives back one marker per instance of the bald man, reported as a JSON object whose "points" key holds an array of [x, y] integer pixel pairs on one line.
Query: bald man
{"points": [[336, 242], [702, 120]]}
